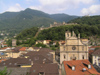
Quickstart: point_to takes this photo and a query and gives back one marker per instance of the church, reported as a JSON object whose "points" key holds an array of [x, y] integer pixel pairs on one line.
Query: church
{"points": [[74, 48]]}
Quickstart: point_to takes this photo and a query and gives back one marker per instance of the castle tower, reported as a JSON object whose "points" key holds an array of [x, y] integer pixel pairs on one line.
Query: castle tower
{"points": [[67, 34], [55, 22], [64, 23], [13, 42]]}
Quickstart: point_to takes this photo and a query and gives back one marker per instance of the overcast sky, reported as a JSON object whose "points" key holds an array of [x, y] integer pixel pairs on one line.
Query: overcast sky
{"points": [[71, 7]]}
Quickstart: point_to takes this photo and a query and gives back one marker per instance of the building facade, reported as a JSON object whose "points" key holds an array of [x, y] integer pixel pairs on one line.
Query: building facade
{"points": [[96, 57], [74, 48], [13, 42]]}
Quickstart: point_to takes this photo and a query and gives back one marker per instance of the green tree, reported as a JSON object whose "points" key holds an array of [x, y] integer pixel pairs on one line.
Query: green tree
{"points": [[41, 45], [4, 72], [9, 42], [57, 44]]}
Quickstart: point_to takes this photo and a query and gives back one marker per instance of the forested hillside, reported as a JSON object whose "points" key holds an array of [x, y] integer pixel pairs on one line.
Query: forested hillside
{"points": [[27, 33], [58, 33], [90, 20]]}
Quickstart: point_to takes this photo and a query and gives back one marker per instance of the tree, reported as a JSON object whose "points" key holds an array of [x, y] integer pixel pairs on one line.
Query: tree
{"points": [[4, 72], [9, 42], [57, 44], [41, 45]]}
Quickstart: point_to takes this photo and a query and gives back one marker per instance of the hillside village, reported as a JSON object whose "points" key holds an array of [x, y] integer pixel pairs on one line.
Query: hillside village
{"points": [[73, 57]]}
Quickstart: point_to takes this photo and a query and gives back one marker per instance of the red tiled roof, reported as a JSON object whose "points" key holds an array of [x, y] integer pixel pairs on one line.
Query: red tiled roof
{"points": [[96, 52], [94, 47], [90, 51], [22, 49], [79, 65], [5, 47], [2, 60]]}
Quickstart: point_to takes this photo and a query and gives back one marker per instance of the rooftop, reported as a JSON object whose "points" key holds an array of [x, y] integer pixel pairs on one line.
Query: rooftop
{"points": [[96, 52], [81, 67], [23, 49], [48, 69], [15, 62]]}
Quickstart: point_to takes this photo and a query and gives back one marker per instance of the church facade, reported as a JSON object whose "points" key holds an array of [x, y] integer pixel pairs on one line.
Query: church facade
{"points": [[74, 48]]}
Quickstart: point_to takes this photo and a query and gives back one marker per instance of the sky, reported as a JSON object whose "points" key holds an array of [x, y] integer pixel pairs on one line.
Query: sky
{"points": [[70, 7]]}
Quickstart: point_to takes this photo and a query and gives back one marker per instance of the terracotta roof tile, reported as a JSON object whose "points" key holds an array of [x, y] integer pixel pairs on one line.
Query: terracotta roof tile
{"points": [[23, 49], [2, 60], [5, 47], [91, 51], [94, 47], [48, 69], [96, 52], [79, 65]]}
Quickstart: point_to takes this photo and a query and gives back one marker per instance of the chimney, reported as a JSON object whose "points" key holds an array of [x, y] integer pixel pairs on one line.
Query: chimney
{"points": [[73, 68], [89, 66], [31, 62], [84, 69], [44, 61]]}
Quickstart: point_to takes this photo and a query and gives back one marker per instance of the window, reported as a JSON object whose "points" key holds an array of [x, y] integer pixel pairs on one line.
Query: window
{"points": [[41, 73], [82, 56], [74, 58], [64, 56]]}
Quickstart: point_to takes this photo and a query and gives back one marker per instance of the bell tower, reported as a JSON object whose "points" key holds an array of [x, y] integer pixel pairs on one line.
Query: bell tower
{"points": [[67, 34]]}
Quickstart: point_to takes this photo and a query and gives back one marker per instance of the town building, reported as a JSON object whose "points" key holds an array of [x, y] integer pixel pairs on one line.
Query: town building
{"points": [[96, 57], [44, 69], [74, 48], [40, 62], [13, 42]]}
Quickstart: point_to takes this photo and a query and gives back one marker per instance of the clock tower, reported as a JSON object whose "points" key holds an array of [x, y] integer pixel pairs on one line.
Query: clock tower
{"points": [[74, 48]]}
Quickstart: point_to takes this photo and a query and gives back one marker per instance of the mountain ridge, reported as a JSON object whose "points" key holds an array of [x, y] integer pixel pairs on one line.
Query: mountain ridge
{"points": [[14, 22]]}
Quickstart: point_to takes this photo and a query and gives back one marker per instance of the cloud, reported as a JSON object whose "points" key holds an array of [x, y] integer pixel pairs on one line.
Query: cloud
{"points": [[15, 8], [92, 10], [69, 2], [55, 6]]}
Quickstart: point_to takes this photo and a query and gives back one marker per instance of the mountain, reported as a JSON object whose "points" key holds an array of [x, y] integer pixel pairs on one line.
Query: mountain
{"points": [[14, 22], [89, 20], [8, 15], [62, 17]]}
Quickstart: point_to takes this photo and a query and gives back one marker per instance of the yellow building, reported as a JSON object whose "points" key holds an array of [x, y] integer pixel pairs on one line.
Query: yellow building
{"points": [[74, 48]]}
